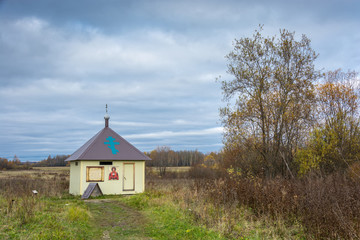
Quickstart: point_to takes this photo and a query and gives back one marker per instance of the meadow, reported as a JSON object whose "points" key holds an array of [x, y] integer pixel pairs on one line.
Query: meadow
{"points": [[54, 214], [184, 204]]}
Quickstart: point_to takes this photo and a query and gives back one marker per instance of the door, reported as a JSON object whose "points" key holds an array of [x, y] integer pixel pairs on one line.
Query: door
{"points": [[129, 177]]}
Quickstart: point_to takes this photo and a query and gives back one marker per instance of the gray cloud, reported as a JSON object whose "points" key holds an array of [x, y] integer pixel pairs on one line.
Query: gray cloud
{"points": [[154, 63]]}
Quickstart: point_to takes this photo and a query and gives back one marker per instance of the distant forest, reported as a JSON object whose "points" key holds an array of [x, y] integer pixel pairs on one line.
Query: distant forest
{"points": [[57, 161], [13, 164], [164, 156], [161, 156]]}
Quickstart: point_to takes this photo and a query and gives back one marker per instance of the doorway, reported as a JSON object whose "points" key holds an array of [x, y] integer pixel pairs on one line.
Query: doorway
{"points": [[129, 177]]}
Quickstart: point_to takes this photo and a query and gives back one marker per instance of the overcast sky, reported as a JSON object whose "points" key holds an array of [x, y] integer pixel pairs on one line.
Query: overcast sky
{"points": [[153, 62]]}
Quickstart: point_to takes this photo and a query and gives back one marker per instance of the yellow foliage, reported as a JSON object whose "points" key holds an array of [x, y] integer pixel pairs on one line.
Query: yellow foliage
{"points": [[307, 161]]}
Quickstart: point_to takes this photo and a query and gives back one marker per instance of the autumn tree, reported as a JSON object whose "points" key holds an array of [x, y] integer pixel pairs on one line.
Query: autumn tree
{"points": [[335, 141], [16, 160], [6, 164], [213, 160], [273, 88], [162, 158]]}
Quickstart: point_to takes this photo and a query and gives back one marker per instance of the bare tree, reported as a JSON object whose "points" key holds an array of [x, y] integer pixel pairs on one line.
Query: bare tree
{"points": [[162, 158], [274, 93]]}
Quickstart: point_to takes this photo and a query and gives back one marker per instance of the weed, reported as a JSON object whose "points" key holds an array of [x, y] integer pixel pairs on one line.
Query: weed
{"points": [[138, 201], [76, 213]]}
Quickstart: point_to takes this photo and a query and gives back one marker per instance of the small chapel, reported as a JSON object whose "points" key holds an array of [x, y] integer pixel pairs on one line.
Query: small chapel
{"points": [[108, 162]]}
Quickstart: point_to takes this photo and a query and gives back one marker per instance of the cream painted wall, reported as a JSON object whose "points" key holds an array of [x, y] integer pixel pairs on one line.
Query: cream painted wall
{"points": [[74, 178], [78, 182]]}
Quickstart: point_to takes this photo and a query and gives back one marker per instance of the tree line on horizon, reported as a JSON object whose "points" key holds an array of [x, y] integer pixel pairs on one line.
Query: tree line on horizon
{"points": [[164, 155], [15, 163], [57, 161], [161, 157]]}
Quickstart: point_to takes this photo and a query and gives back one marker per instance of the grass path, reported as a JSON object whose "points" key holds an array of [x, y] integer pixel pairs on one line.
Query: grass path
{"points": [[143, 216], [115, 220]]}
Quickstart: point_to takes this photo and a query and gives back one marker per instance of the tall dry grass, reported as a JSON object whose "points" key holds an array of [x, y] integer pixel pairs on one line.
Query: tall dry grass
{"points": [[19, 203], [328, 208], [229, 218], [312, 207]]}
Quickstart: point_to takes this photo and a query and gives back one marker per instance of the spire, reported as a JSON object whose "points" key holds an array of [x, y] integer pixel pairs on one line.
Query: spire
{"points": [[106, 117]]}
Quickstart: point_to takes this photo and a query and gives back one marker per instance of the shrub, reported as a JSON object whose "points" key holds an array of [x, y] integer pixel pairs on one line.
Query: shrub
{"points": [[200, 171], [327, 207]]}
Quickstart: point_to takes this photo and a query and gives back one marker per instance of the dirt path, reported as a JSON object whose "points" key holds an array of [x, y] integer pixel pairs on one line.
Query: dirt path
{"points": [[115, 220]]}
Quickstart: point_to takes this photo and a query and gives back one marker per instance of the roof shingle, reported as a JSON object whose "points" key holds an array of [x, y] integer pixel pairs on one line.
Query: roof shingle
{"points": [[96, 149]]}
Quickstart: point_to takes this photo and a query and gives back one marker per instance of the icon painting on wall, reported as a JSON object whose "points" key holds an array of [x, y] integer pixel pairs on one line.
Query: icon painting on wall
{"points": [[113, 175]]}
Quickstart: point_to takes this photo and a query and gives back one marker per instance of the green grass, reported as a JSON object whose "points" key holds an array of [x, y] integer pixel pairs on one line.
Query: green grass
{"points": [[115, 220], [167, 221], [117, 217], [149, 215], [173, 222], [51, 218]]}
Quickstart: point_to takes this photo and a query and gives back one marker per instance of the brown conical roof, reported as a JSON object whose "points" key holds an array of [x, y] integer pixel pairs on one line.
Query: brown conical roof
{"points": [[107, 145]]}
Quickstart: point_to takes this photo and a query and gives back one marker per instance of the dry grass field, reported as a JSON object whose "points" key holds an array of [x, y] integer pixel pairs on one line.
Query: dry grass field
{"points": [[155, 170], [37, 172], [187, 203]]}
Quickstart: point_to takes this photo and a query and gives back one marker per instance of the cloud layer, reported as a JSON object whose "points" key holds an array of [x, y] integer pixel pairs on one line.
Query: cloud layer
{"points": [[153, 62]]}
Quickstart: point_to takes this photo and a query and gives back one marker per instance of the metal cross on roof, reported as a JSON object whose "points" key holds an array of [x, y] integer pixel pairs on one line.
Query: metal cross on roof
{"points": [[111, 142]]}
